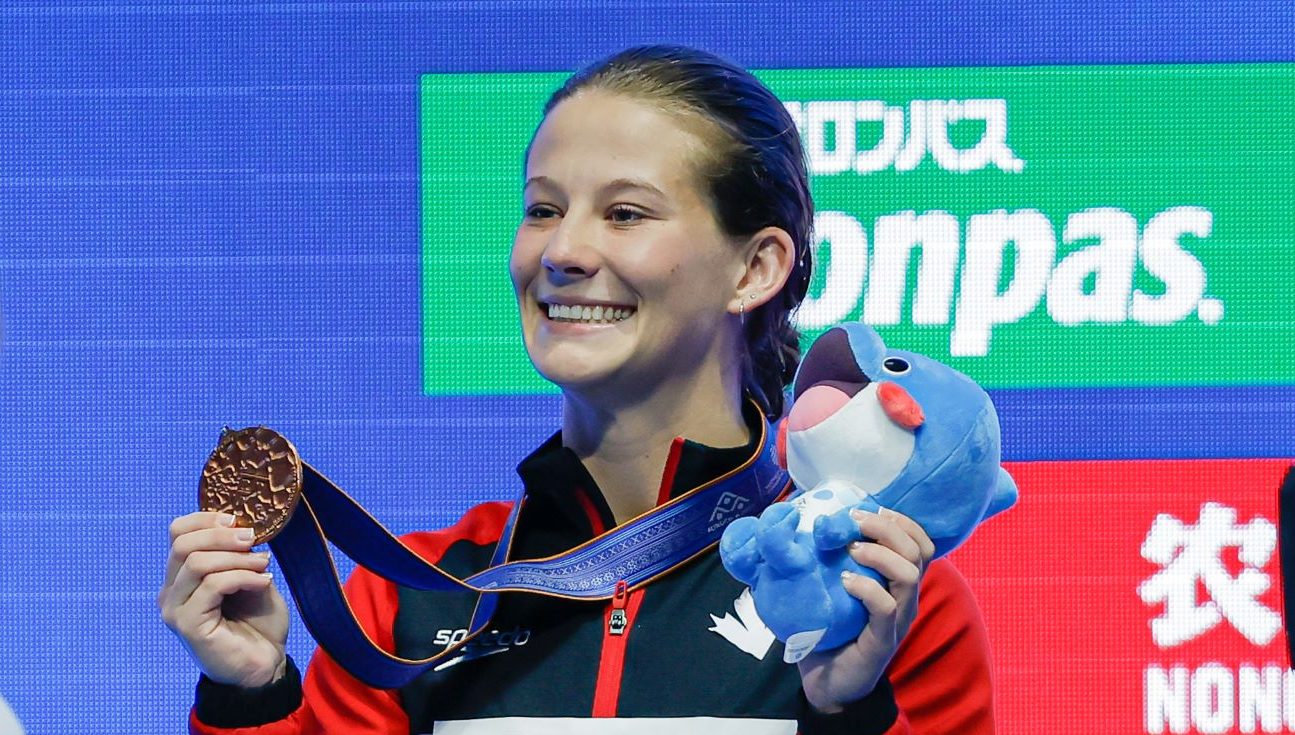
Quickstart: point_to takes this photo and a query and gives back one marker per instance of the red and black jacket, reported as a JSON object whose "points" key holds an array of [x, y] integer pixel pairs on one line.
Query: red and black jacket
{"points": [[675, 649]]}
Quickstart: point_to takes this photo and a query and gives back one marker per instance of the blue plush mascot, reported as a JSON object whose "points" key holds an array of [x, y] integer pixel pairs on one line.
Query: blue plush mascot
{"points": [[869, 428]]}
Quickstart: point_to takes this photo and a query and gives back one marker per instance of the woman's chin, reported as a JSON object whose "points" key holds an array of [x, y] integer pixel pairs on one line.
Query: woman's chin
{"points": [[591, 375], [584, 361], [579, 378]]}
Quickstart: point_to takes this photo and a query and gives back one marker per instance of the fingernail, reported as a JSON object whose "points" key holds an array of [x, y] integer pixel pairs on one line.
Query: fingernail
{"points": [[856, 545], [225, 519], [261, 554], [267, 575], [246, 534], [847, 575], [859, 514]]}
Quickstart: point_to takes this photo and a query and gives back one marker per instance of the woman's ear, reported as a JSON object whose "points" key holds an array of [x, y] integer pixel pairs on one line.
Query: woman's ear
{"points": [[768, 256]]}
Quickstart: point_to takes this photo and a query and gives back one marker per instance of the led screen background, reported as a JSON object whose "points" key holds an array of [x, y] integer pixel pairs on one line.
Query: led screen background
{"points": [[214, 214]]}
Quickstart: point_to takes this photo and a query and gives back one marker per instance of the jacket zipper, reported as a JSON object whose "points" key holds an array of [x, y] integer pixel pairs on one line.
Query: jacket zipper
{"points": [[620, 615], [618, 620]]}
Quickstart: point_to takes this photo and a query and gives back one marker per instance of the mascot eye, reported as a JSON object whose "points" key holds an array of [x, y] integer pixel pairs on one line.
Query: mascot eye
{"points": [[895, 366]]}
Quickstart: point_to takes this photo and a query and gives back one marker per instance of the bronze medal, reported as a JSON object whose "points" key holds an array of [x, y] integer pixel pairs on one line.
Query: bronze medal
{"points": [[255, 474]]}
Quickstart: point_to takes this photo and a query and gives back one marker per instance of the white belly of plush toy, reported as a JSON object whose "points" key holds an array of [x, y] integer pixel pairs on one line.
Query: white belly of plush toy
{"points": [[852, 453], [823, 500]]}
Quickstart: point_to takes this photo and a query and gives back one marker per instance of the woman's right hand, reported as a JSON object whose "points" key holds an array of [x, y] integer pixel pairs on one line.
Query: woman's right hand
{"points": [[220, 601]]}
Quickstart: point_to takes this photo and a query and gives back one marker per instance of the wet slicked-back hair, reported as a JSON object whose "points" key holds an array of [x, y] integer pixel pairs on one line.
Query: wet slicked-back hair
{"points": [[754, 172]]}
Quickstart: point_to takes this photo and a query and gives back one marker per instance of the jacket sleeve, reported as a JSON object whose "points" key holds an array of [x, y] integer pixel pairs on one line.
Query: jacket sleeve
{"points": [[875, 714], [331, 700], [941, 673], [938, 683]]}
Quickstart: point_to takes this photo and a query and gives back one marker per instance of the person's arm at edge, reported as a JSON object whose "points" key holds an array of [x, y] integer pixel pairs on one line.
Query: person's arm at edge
{"points": [[939, 680], [332, 699], [875, 714], [941, 672]]}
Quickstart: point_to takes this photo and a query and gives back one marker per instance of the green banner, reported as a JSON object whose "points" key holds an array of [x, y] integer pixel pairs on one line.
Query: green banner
{"points": [[1045, 226]]}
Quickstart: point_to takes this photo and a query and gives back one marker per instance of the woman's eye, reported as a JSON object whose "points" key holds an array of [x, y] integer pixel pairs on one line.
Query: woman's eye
{"points": [[540, 211], [624, 215]]}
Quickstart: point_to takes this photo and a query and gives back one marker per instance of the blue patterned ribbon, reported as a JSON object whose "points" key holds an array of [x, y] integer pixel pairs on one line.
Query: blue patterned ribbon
{"points": [[635, 553]]}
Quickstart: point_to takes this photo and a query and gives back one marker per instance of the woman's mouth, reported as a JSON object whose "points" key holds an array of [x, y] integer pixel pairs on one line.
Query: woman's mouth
{"points": [[585, 314]]}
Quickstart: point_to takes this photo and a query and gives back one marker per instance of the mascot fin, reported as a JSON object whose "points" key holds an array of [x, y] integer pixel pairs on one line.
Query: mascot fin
{"points": [[1004, 495]]}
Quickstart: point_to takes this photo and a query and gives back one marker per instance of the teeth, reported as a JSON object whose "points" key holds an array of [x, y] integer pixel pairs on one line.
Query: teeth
{"points": [[593, 314]]}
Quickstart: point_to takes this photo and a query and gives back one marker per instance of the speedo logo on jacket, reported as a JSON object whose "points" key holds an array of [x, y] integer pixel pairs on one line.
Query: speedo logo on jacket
{"points": [[486, 644]]}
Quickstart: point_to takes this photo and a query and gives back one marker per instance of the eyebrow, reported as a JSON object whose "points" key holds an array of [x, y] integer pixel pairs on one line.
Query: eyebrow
{"points": [[619, 184], [614, 185]]}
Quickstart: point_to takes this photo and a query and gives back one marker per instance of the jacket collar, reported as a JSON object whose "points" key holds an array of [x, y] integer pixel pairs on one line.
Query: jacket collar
{"points": [[557, 483]]}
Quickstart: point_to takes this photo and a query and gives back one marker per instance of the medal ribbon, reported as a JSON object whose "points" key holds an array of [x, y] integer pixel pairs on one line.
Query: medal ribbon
{"points": [[635, 553]]}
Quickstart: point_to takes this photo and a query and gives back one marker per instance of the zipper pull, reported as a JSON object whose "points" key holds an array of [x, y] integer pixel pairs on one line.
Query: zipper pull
{"points": [[618, 621]]}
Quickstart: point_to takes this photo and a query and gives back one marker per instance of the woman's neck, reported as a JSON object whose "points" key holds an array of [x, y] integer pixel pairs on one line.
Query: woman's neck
{"points": [[625, 446]]}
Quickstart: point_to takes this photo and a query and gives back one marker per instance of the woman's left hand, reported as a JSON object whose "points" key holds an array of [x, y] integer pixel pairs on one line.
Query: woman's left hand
{"points": [[900, 553]]}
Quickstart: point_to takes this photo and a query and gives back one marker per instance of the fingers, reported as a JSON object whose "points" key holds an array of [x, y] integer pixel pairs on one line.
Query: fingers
{"points": [[900, 553], [902, 573], [203, 543], [926, 547], [203, 532], [195, 521], [897, 532], [882, 607], [203, 564], [893, 607], [206, 599]]}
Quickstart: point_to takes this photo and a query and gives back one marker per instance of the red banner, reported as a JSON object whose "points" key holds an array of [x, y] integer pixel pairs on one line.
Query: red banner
{"points": [[1136, 597]]}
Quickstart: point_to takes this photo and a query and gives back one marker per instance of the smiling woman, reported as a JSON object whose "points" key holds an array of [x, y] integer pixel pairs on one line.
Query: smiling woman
{"points": [[613, 220], [663, 245]]}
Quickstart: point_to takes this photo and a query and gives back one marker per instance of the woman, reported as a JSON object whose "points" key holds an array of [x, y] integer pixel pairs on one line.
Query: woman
{"points": [[664, 243]]}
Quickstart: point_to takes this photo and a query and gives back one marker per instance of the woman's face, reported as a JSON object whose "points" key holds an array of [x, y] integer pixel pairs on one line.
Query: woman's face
{"points": [[623, 277]]}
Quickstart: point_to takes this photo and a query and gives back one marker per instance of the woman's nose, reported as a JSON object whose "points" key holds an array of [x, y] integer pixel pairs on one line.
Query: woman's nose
{"points": [[570, 254]]}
